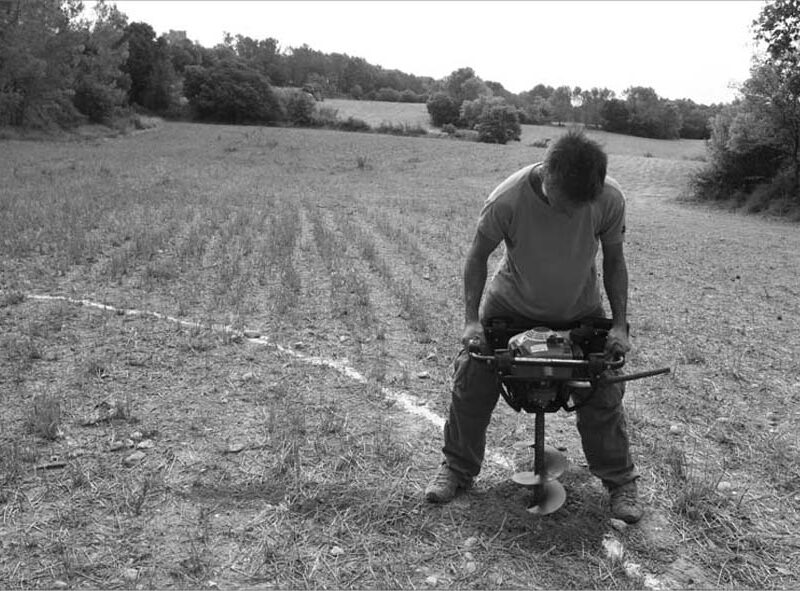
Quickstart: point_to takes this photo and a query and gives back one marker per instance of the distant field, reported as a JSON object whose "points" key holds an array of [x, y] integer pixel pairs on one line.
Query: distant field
{"points": [[377, 112]]}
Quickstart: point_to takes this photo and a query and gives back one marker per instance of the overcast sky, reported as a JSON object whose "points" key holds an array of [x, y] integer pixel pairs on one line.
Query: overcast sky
{"points": [[683, 49]]}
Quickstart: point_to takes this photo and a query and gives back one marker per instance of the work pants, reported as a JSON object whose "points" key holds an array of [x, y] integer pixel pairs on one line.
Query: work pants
{"points": [[600, 422]]}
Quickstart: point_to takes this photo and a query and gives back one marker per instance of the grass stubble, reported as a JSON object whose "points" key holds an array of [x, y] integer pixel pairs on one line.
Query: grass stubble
{"points": [[139, 453]]}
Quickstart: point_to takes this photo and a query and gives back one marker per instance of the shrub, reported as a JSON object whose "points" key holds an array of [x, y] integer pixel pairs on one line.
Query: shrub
{"points": [[471, 111], [732, 171], [300, 108], [231, 92], [388, 95], [443, 109], [409, 96], [401, 129], [97, 101], [353, 124], [326, 117], [498, 124]]}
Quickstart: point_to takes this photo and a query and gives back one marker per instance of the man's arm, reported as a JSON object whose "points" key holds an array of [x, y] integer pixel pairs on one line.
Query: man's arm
{"points": [[615, 281], [475, 274]]}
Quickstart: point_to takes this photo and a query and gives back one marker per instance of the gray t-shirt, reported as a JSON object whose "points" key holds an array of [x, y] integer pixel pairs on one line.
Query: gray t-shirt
{"points": [[548, 271]]}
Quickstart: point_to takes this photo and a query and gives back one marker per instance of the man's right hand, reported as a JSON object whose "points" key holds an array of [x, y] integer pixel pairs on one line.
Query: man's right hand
{"points": [[473, 336]]}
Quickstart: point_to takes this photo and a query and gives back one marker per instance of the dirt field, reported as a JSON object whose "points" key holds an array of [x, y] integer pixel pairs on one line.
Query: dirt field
{"points": [[276, 425]]}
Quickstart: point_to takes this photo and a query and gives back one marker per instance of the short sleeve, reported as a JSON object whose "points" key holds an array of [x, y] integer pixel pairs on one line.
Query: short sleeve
{"points": [[494, 221], [612, 226]]}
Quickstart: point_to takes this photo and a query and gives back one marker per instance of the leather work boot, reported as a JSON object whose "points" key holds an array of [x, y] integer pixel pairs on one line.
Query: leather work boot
{"points": [[445, 484], [625, 503]]}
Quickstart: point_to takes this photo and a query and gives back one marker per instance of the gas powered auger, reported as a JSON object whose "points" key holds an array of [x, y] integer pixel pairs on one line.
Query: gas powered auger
{"points": [[546, 369]]}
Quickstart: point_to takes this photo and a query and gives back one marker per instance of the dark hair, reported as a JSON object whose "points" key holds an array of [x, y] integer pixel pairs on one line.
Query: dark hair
{"points": [[576, 165]]}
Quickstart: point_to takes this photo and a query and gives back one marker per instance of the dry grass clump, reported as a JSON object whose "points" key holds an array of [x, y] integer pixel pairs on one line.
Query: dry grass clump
{"points": [[44, 419]]}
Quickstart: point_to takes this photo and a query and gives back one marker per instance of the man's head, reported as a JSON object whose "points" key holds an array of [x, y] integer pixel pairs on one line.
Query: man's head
{"points": [[574, 168]]}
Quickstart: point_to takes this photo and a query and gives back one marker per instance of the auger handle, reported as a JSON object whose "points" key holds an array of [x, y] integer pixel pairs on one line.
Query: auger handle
{"points": [[615, 363], [634, 376]]}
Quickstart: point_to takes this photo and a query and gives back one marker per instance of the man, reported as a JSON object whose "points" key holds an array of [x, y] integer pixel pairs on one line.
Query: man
{"points": [[550, 216]]}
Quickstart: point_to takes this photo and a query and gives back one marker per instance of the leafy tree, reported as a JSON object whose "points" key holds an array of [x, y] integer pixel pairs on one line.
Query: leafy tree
{"points": [[300, 107], [443, 109], [644, 111], [388, 95], [670, 121], [231, 92], [498, 89], [536, 111], [473, 89], [159, 93], [542, 91], [744, 153], [755, 142], [614, 116], [262, 55], [498, 124], [454, 84], [409, 96], [357, 73], [100, 85], [142, 51], [696, 119], [302, 62], [592, 102], [776, 87], [471, 112], [651, 116], [39, 45], [561, 104], [183, 53]]}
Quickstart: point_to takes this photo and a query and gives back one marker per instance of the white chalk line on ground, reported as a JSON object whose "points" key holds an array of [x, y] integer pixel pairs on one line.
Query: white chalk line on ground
{"points": [[611, 544]]}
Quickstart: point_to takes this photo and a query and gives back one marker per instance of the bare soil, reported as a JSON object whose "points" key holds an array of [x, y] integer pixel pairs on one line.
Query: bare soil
{"points": [[286, 412]]}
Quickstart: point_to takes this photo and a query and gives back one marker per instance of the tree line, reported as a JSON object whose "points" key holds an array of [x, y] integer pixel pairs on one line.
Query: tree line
{"points": [[56, 66]]}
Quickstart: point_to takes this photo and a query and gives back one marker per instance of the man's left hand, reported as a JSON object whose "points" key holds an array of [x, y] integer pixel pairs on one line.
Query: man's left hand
{"points": [[617, 342]]}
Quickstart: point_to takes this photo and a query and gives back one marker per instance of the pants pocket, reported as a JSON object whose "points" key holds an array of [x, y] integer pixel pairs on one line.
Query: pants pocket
{"points": [[460, 367], [604, 396]]}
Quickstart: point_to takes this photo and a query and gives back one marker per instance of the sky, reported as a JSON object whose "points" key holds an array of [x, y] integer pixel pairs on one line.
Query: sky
{"points": [[696, 49]]}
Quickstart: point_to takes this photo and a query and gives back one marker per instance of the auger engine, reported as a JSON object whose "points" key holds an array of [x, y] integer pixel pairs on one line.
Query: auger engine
{"points": [[543, 370]]}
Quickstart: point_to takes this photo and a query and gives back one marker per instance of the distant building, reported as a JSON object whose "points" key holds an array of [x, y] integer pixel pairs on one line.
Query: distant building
{"points": [[175, 36]]}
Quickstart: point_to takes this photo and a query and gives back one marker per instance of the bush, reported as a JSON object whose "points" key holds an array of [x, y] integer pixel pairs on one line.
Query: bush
{"points": [[97, 101], [326, 117], [741, 171], [498, 124], [300, 108], [443, 109], [230, 92], [471, 111], [401, 129], [409, 96], [389, 95], [353, 124]]}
